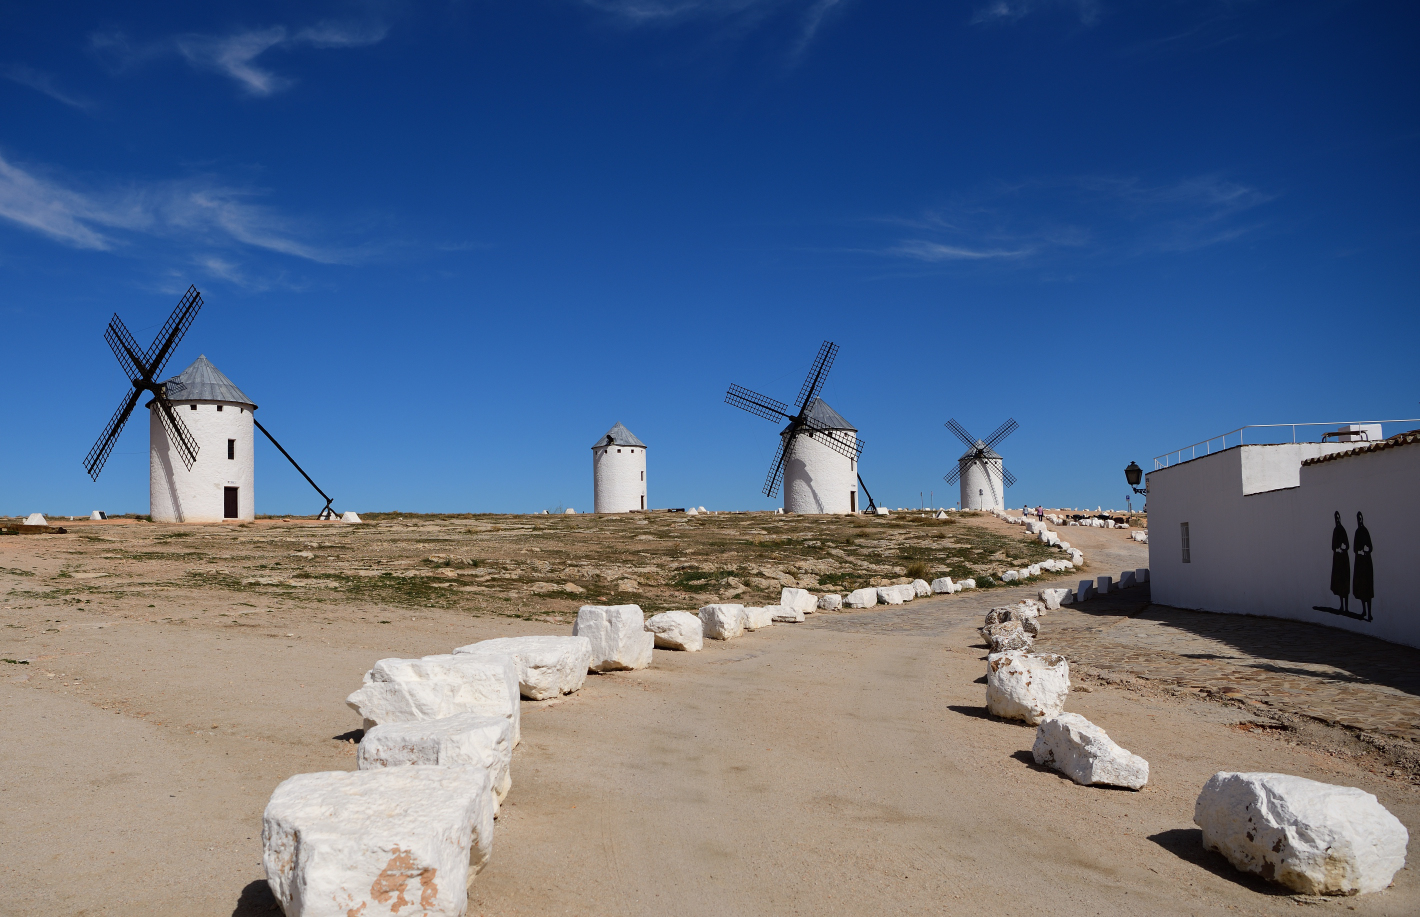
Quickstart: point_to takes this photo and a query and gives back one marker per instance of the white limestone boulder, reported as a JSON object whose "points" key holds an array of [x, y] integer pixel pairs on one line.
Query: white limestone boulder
{"points": [[677, 630], [966, 584], [1010, 576], [1052, 598], [1007, 637], [393, 840], [783, 614], [1077, 557], [831, 602], [470, 739], [801, 599], [1086, 754], [862, 598], [722, 621], [891, 595], [1026, 686], [921, 587], [547, 666], [755, 618], [434, 687], [620, 641], [943, 586], [1314, 838]]}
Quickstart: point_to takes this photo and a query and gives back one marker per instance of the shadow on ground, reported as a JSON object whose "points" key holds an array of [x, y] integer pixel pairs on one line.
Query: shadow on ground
{"points": [[1187, 845]]}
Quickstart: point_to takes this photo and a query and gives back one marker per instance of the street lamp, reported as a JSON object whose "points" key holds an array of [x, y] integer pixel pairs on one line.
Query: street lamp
{"points": [[1134, 474]]}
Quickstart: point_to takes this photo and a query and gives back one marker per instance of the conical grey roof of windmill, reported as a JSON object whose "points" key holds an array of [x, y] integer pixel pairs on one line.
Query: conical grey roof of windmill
{"points": [[618, 436], [986, 451], [826, 418], [204, 382]]}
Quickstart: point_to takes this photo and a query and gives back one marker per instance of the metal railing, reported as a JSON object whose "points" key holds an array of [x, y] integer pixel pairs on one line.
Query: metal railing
{"points": [[1239, 437]]}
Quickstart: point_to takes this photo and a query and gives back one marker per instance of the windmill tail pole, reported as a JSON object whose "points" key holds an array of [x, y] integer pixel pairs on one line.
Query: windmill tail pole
{"points": [[872, 507], [293, 462]]}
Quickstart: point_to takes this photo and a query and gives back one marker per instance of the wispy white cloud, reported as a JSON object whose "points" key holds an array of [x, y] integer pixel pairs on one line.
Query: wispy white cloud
{"points": [[923, 250], [43, 82], [809, 16], [236, 54], [1010, 11], [192, 213]]}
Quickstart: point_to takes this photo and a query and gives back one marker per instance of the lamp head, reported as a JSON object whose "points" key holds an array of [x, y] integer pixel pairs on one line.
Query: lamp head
{"points": [[1133, 474]]}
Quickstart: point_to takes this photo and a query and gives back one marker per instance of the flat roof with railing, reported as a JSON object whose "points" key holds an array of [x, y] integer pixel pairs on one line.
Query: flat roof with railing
{"points": [[1240, 436]]}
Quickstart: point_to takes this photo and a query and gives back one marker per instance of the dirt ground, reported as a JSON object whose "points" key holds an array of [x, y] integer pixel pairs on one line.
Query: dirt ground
{"points": [[842, 766]]}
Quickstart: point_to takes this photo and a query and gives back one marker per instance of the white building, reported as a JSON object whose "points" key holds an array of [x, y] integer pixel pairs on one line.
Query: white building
{"points": [[982, 484], [221, 483], [1318, 532], [817, 477], [619, 472]]}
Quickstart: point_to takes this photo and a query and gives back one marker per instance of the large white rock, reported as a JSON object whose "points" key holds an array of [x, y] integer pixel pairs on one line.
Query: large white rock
{"points": [[677, 630], [36, 519], [547, 666], [943, 586], [862, 598], [620, 641], [1314, 838], [882, 511], [1085, 753], [434, 687], [1010, 576], [467, 739], [966, 584], [783, 614], [1007, 636], [569, 512], [896, 595], [722, 621], [1077, 557], [801, 599], [831, 602], [921, 587], [1026, 686], [396, 840], [1052, 597], [754, 618], [350, 517]]}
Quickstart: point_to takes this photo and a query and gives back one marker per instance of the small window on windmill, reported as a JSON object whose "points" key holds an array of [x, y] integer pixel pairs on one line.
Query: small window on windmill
{"points": [[618, 452], [1183, 535], [219, 407], [231, 449], [193, 406]]}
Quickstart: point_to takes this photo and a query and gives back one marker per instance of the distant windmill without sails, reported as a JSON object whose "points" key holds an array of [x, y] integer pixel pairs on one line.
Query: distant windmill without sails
{"points": [[980, 469], [817, 459]]}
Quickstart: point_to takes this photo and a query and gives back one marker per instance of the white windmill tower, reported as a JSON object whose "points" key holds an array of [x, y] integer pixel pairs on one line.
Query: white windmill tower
{"points": [[817, 461], [981, 470], [198, 411], [619, 471]]}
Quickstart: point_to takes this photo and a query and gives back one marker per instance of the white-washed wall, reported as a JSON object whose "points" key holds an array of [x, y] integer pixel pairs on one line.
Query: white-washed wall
{"points": [[977, 482], [619, 478], [1269, 552], [818, 479], [176, 494]]}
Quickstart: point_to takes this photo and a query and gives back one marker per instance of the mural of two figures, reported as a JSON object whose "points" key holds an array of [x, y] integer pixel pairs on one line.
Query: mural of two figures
{"points": [[1347, 581]]}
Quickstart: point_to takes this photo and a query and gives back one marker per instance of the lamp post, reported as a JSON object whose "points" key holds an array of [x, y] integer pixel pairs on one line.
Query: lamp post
{"points": [[1134, 474]]}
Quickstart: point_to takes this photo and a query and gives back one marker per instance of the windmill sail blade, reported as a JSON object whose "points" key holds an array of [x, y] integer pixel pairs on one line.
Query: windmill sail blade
{"points": [[837, 440], [173, 330], [1003, 431], [757, 404], [818, 373], [178, 434], [94, 461], [954, 476], [1007, 477], [776, 471], [960, 431], [129, 354]]}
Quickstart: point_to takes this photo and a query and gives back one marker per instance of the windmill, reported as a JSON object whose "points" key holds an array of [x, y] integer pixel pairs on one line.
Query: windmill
{"points": [[204, 392], [817, 460], [981, 470]]}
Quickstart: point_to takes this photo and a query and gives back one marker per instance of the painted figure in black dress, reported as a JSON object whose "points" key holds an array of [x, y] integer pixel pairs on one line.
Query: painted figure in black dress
{"points": [[1363, 582], [1340, 564]]}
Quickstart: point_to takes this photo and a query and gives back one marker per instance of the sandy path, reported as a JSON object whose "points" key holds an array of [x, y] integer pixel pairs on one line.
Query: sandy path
{"points": [[843, 766]]}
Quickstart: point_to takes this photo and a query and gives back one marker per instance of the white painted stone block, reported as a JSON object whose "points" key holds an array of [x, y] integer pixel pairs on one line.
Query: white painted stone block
{"points": [[677, 630], [831, 602], [434, 687], [943, 586], [1126, 579], [862, 598], [1104, 585], [466, 739], [692, 512], [754, 618], [547, 666], [1141, 575], [36, 519], [801, 599], [722, 621], [1086, 754], [96, 516], [1025, 686], [620, 641], [570, 512], [395, 840], [783, 614], [350, 517], [1053, 598], [1085, 591], [882, 511], [1314, 838]]}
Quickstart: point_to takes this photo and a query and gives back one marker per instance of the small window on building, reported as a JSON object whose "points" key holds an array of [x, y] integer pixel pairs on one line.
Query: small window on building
{"points": [[643, 477], [193, 406], [231, 449], [618, 452], [219, 407], [1183, 535]]}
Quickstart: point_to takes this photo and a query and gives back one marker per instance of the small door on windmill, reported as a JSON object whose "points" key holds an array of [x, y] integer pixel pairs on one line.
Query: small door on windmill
{"points": [[229, 502]]}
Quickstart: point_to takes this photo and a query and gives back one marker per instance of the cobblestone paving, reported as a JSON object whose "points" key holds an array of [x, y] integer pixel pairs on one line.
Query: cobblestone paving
{"points": [[1332, 675]]}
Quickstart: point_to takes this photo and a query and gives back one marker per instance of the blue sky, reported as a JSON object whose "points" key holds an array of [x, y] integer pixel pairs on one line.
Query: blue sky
{"points": [[446, 246]]}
